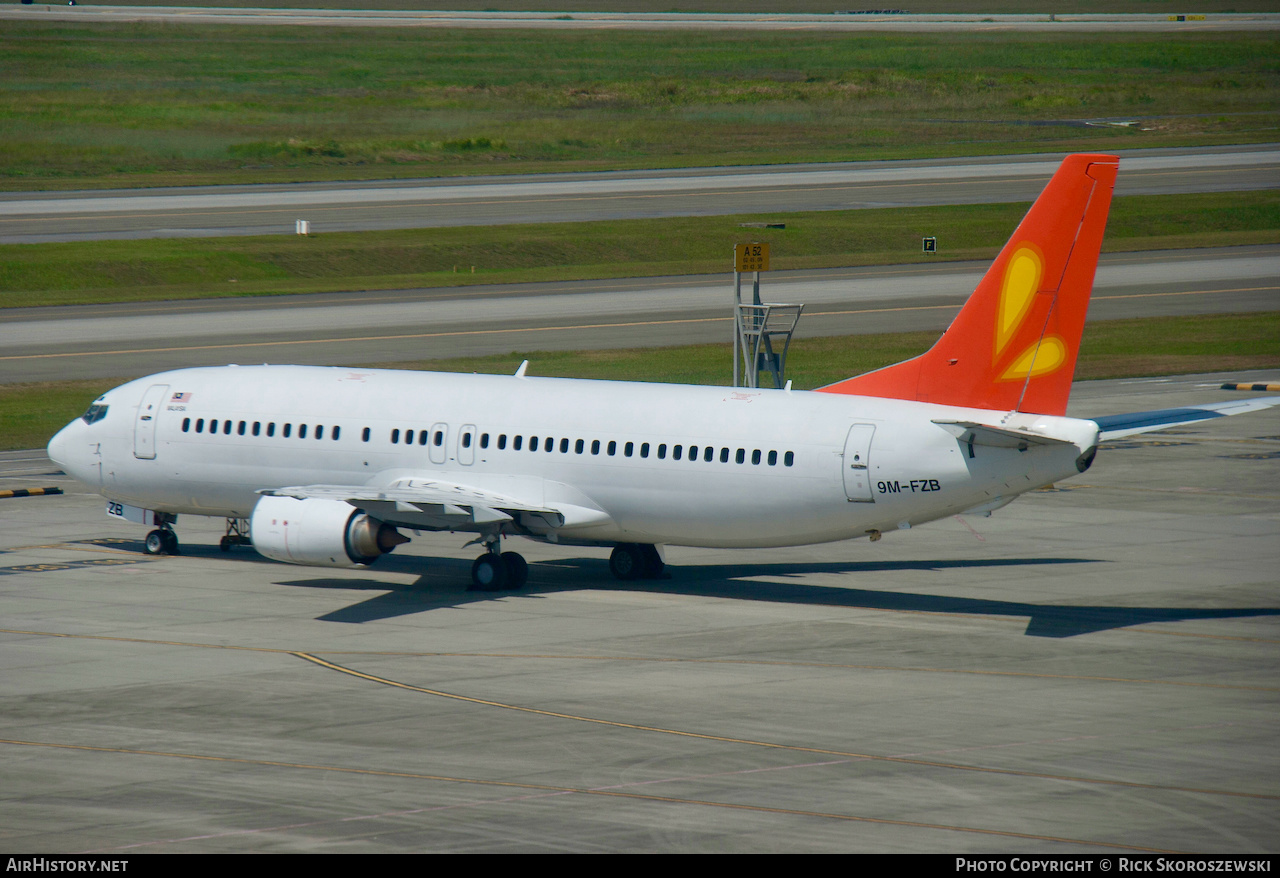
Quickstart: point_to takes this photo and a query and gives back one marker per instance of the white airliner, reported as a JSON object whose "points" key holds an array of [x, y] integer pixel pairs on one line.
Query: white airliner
{"points": [[321, 465]]}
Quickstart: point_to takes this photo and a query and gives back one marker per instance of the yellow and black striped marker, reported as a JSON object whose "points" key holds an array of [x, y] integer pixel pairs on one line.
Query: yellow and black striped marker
{"points": [[1269, 388], [29, 492]]}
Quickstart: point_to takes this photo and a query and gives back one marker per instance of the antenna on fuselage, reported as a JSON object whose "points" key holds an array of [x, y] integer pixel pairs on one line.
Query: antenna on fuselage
{"points": [[523, 365]]}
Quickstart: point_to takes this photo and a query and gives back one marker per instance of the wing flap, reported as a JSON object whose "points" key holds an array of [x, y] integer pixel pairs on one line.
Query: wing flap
{"points": [[434, 503]]}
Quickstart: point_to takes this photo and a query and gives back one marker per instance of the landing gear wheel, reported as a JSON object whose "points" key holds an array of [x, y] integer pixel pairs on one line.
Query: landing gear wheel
{"points": [[636, 561], [225, 544], [653, 565], [627, 562], [162, 542], [155, 542], [517, 570], [489, 573]]}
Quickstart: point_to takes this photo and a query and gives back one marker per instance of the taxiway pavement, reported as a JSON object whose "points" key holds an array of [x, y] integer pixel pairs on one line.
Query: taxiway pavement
{"points": [[34, 217], [390, 326]]}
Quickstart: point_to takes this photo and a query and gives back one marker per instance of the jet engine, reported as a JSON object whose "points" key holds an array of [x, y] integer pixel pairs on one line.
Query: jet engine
{"points": [[319, 533]]}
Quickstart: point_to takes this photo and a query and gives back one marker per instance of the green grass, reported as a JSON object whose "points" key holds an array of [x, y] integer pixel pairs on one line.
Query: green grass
{"points": [[146, 270], [971, 7], [133, 105], [32, 413]]}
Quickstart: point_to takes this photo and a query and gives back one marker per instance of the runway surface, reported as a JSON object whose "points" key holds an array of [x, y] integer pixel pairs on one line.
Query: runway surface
{"points": [[95, 341], [1090, 670], [999, 23], [398, 204]]}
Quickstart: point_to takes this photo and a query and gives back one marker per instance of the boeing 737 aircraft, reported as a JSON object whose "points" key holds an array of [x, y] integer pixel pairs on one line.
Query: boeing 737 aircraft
{"points": [[324, 466]]}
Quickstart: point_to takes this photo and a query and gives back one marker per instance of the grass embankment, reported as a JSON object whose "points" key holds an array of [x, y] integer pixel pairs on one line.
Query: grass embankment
{"points": [[1110, 349], [149, 270], [166, 104]]}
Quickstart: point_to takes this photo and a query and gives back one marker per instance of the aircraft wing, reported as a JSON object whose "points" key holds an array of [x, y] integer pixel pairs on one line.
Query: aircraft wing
{"points": [[436, 504], [1119, 426]]}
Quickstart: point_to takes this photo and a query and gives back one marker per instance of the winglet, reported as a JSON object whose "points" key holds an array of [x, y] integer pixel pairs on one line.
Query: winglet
{"points": [[1014, 344]]}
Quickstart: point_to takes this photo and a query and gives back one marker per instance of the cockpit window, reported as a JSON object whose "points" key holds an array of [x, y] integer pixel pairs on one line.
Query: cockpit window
{"points": [[96, 413]]}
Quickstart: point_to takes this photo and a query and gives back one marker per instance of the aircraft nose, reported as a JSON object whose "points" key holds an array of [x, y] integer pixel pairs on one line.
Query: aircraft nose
{"points": [[57, 449], [60, 447]]}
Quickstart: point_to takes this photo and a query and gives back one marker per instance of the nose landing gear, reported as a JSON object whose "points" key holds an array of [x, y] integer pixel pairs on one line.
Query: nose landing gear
{"points": [[162, 541], [237, 534]]}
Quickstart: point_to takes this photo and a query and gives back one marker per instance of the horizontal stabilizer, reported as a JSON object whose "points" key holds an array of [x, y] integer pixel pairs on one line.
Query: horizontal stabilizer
{"points": [[973, 433], [1119, 426]]}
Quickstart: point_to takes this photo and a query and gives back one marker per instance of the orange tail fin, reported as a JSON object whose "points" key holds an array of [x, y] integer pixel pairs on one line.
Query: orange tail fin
{"points": [[1014, 344]]}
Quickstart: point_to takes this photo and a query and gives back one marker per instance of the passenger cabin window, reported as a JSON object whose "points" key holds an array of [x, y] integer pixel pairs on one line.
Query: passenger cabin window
{"points": [[271, 428], [288, 428], [335, 434], [257, 427], [789, 458], [364, 435]]}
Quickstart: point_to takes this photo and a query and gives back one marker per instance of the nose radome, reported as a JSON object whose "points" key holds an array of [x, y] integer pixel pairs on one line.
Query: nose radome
{"points": [[59, 449]]}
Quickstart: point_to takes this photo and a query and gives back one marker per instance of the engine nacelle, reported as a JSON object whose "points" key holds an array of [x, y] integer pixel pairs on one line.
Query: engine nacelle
{"points": [[319, 533]]}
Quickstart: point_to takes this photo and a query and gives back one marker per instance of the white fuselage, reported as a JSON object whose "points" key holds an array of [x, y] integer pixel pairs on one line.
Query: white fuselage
{"points": [[784, 468]]}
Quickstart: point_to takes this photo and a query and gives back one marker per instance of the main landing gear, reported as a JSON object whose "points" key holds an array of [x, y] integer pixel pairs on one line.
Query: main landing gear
{"points": [[636, 561], [497, 570]]}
